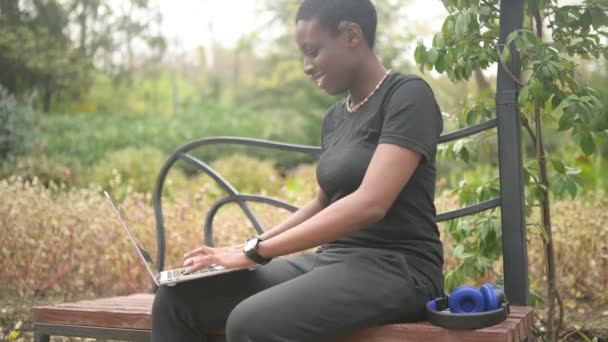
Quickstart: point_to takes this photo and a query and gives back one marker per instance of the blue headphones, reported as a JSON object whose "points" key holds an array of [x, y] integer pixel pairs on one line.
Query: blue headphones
{"points": [[470, 308]]}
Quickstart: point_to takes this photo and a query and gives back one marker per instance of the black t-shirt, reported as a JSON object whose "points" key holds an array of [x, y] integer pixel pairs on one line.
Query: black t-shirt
{"points": [[403, 112]]}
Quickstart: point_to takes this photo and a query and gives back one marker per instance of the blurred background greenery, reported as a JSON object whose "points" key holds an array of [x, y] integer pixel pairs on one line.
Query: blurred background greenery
{"points": [[93, 95]]}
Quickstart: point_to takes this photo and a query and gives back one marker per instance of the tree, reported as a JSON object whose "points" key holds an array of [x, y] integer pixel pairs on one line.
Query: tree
{"points": [[53, 47], [107, 32], [553, 94], [36, 53]]}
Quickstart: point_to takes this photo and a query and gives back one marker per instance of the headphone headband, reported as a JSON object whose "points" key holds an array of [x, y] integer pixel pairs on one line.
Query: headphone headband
{"points": [[469, 321], [489, 297]]}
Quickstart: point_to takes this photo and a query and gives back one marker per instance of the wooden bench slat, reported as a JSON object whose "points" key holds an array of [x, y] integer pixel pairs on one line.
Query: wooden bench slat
{"points": [[133, 312], [95, 318], [515, 328], [115, 312]]}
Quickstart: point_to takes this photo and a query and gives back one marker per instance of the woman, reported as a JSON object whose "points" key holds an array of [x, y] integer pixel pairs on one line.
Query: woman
{"points": [[380, 257]]}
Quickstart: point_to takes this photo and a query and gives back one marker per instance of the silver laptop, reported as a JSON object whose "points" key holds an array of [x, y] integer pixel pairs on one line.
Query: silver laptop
{"points": [[173, 276]]}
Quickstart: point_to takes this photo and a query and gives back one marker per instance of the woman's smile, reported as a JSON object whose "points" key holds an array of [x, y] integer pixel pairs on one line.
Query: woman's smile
{"points": [[319, 80]]}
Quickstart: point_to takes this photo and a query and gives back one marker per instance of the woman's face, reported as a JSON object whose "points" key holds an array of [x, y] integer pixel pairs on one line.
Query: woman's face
{"points": [[327, 57]]}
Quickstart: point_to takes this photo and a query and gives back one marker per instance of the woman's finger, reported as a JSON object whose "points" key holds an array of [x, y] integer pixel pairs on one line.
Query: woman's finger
{"points": [[200, 262], [197, 251]]}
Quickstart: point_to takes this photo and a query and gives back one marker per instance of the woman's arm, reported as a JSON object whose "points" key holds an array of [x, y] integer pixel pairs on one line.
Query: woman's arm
{"points": [[307, 211], [389, 171], [232, 256]]}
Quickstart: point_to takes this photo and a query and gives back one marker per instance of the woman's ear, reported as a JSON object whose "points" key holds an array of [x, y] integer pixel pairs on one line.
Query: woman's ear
{"points": [[354, 34]]}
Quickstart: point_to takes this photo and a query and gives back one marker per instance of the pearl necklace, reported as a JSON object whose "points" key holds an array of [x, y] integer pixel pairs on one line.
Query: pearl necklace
{"points": [[360, 104]]}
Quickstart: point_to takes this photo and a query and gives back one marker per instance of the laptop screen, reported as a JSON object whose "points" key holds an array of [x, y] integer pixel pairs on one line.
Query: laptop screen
{"points": [[143, 253]]}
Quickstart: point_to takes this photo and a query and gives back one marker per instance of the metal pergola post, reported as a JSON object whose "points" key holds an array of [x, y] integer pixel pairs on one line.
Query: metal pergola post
{"points": [[515, 256]]}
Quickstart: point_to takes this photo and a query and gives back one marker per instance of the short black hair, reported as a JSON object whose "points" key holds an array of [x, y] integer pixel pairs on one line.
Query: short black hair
{"points": [[331, 12]]}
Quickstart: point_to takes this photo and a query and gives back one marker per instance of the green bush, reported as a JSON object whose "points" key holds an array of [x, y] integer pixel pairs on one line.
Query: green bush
{"points": [[88, 137], [16, 125], [249, 175], [133, 170], [43, 168]]}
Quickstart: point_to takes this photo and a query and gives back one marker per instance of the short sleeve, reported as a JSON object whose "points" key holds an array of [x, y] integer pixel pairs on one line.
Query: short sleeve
{"points": [[412, 118], [326, 126], [323, 133]]}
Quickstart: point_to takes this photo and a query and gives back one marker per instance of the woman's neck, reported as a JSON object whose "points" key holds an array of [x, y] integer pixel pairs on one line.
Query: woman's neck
{"points": [[370, 73]]}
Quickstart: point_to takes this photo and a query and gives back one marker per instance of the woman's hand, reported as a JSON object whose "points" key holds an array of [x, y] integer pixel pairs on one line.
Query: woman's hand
{"points": [[229, 257]]}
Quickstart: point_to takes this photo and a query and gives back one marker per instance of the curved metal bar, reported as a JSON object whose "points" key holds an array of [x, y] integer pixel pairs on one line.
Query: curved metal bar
{"points": [[211, 172], [160, 181], [208, 229], [227, 186], [465, 132], [313, 150], [450, 215]]}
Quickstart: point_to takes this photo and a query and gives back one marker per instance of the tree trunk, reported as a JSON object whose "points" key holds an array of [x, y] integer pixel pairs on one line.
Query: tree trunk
{"points": [[46, 99], [82, 19], [552, 328]]}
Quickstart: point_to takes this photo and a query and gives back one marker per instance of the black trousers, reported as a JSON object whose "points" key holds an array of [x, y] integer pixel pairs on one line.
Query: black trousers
{"points": [[310, 297]]}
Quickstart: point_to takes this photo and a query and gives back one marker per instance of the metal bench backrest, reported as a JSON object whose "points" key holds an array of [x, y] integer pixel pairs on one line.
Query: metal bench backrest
{"points": [[511, 200]]}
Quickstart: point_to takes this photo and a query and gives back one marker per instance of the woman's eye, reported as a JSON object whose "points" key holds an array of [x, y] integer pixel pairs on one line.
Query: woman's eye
{"points": [[312, 52]]}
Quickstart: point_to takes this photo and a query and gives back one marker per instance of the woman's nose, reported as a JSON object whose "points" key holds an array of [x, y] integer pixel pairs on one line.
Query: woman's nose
{"points": [[308, 66]]}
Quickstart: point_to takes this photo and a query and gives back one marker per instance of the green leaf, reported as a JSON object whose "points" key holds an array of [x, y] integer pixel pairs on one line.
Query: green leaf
{"points": [[599, 18], [538, 193], [510, 38], [485, 10], [420, 55], [431, 56], [558, 166], [505, 55], [486, 194], [448, 27], [532, 5], [527, 176], [577, 180], [566, 121], [438, 40], [523, 95], [458, 251], [464, 154], [440, 66], [571, 187], [461, 24], [537, 89], [587, 144], [471, 117], [558, 185], [585, 19]]}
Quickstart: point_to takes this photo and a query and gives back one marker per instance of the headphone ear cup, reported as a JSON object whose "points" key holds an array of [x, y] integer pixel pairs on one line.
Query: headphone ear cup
{"points": [[490, 296], [466, 299], [500, 294]]}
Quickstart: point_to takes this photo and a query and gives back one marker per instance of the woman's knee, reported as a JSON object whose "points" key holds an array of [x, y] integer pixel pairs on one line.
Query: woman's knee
{"points": [[246, 323]]}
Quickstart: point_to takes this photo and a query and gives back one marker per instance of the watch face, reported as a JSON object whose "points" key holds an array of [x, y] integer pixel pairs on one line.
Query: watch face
{"points": [[250, 244]]}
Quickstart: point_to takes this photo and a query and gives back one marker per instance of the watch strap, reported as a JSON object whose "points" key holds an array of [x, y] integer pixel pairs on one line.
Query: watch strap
{"points": [[254, 255]]}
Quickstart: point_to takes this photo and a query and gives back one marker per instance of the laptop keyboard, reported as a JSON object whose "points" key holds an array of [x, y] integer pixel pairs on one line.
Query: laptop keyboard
{"points": [[181, 271]]}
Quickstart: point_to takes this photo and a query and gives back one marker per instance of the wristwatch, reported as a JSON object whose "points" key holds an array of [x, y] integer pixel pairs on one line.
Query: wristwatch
{"points": [[251, 250]]}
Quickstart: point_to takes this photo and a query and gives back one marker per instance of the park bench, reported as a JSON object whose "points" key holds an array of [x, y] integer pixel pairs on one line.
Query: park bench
{"points": [[128, 317]]}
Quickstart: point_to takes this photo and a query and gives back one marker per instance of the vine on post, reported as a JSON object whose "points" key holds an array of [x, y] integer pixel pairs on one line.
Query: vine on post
{"points": [[553, 95]]}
